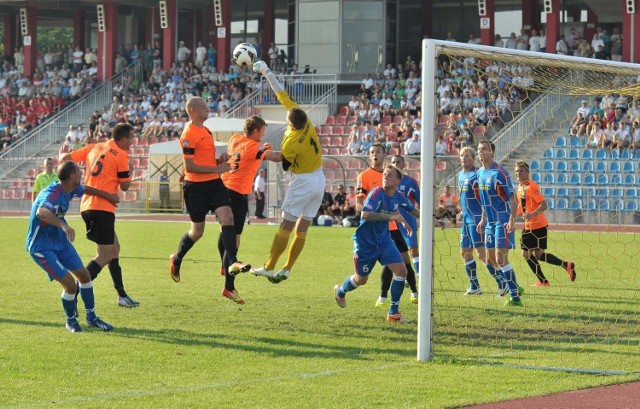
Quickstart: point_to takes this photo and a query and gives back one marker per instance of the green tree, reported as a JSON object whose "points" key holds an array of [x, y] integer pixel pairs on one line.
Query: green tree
{"points": [[49, 36]]}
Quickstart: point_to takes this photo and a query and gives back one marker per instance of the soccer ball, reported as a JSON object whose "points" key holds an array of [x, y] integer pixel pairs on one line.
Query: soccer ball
{"points": [[244, 54], [346, 222]]}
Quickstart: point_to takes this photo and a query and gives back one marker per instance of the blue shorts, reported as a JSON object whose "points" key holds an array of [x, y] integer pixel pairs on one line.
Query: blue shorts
{"points": [[365, 259], [412, 241], [495, 236], [57, 263], [469, 237]]}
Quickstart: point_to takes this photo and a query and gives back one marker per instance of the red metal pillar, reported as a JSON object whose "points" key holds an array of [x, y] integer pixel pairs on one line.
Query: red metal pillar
{"points": [[530, 14], [268, 30], [9, 40], [149, 24], [630, 37], [169, 35], [553, 27], [488, 24], [29, 41], [589, 28], [108, 42], [223, 37], [79, 18], [426, 28]]}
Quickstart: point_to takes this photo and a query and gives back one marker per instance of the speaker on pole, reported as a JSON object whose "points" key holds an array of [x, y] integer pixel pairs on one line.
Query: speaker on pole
{"points": [[164, 19], [101, 22], [24, 26], [548, 6], [217, 12], [631, 6]]}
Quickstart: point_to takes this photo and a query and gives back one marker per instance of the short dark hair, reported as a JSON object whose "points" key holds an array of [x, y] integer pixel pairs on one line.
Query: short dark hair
{"points": [[298, 118], [66, 169], [121, 131], [253, 123], [488, 142], [378, 145], [396, 169]]}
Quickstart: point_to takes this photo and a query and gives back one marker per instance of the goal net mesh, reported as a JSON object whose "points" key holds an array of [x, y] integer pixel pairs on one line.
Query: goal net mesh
{"points": [[590, 324]]}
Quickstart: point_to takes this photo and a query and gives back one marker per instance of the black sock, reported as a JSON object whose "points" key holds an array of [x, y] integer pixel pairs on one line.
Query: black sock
{"points": [[183, 248], [229, 239], [94, 269], [385, 281], [116, 276], [221, 248], [229, 280], [537, 270], [551, 259], [411, 278]]}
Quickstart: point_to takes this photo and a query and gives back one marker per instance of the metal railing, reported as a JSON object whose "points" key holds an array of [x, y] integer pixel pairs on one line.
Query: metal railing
{"points": [[53, 130]]}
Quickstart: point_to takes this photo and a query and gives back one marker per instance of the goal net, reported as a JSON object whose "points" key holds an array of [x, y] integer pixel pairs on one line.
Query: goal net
{"points": [[575, 123]]}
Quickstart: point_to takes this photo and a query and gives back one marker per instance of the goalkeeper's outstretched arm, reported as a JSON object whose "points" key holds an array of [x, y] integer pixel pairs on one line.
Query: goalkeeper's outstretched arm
{"points": [[263, 68]]}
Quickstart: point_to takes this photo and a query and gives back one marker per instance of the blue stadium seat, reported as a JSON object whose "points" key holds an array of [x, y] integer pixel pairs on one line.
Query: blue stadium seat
{"points": [[588, 192], [548, 192], [616, 193], [601, 154], [535, 165], [575, 166], [549, 178], [617, 205], [547, 166], [601, 166], [576, 192], [576, 179], [615, 154], [629, 167], [536, 177], [561, 141], [589, 179], [602, 192], [574, 142], [587, 166], [576, 204], [616, 179], [548, 153], [630, 180], [551, 204], [603, 205], [574, 154], [603, 179], [562, 204], [637, 155], [626, 154], [561, 179], [631, 193], [561, 166], [590, 204], [631, 206], [614, 167], [563, 192], [587, 154], [561, 153]]}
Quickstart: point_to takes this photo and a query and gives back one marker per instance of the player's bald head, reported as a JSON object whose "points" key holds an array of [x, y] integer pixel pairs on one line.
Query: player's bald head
{"points": [[194, 103]]}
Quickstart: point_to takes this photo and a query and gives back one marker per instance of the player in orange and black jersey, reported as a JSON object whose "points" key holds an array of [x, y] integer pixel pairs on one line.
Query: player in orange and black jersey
{"points": [[204, 191], [246, 153], [531, 205], [107, 169], [367, 181]]}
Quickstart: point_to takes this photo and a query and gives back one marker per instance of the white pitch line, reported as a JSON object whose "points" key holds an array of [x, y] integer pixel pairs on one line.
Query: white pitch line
{"points": [[214, 385]]}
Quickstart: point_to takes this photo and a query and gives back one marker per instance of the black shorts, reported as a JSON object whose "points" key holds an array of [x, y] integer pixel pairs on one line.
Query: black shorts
{"points": [[101, 226], [534, 239], [398, 238], [201, 198], [240, 209]]}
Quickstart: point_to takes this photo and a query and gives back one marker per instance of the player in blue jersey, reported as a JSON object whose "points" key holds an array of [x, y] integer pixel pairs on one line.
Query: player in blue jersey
{"points": [[49, 243], [470, 215], [410, 188], [499, 206], [373, 242]]}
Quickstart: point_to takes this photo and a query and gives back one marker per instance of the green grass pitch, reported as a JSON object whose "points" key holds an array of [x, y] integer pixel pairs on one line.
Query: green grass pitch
{"points": [[291, 346]]}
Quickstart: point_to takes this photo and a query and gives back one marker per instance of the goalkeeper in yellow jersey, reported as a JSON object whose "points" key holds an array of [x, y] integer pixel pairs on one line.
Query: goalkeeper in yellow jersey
{"points": [[302, 155]]}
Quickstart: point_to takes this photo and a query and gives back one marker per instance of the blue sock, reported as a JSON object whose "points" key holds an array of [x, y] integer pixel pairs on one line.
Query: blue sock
{"points": [[470, 268], [348, 285], [70, 306], [397, 287], [86, 292], [416, 265], [497, 275], [510, 277]]}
